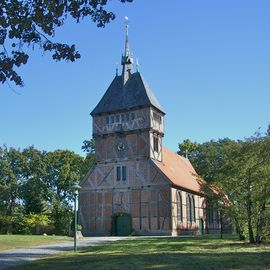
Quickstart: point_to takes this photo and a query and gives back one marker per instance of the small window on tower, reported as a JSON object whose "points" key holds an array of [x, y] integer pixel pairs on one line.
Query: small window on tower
{"points": [[117, 118], [132, 116], [112, 119], [124, 173], [122, 118], [155, 142], [118, 173], [121, 173], [107, 120]]}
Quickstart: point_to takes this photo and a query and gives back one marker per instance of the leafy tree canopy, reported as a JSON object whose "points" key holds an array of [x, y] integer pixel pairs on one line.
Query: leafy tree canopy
{"points": [[240, 172], [36, 186], [186, 147], [89, 146], [33, 23]]}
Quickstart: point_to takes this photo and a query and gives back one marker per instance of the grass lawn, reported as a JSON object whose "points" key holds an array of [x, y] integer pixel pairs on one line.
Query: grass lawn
{"points": [[22, 241], [161, 253]]}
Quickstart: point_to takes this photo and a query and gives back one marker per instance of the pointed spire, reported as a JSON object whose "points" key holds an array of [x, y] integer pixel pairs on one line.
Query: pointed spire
{"points": [[126, 45], [127, 58], [137, 65]]}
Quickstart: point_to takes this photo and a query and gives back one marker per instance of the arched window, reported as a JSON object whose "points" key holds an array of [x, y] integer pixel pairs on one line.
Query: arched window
{"points": [[179, 208], [190, 209]]}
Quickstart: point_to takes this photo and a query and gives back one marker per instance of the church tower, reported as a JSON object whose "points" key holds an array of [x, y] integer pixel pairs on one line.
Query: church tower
{"points": [[128, 122]]}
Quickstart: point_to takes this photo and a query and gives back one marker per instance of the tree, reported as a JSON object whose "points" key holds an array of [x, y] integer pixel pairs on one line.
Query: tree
{"points": [[33, 189], [33, 24], [63, 171], [37, 187], [11, 177], [89, 147], [240, 172]]}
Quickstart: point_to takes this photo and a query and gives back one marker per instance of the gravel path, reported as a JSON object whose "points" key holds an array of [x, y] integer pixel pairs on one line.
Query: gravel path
{"points": [[15, 257]]}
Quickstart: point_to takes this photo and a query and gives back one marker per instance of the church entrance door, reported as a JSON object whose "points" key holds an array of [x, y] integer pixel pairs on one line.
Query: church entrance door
{"points": [[123, 225], [201, 226]]}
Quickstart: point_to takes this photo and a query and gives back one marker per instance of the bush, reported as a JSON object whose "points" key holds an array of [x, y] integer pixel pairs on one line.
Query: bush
{"points": [[5, 224], [33, 222]]}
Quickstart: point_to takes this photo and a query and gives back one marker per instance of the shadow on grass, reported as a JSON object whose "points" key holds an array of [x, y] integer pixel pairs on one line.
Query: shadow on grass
{"points": [[161, 253], [162, 261], [173, 244]]}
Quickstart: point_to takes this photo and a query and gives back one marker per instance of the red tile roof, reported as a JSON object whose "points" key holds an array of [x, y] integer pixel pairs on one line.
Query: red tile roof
{"points": [[179, 171]]}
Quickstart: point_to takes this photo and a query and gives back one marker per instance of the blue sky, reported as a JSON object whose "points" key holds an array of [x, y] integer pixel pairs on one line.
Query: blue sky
{"points": [[207, 62]]}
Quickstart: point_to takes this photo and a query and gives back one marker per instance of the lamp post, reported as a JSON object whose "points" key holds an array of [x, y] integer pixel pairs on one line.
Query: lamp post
{"points": [[76, 189]]}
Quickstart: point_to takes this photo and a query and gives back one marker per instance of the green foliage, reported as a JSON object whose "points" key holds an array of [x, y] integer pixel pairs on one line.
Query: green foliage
{"points": [[11, 177], [30, 223], [33, 220], [63, 171], [89, 161], [89, 147], [239, 172], [186, 147], [34, 190], [79, 227], [61, 217], [33, 24], [36, 186], [5, 224]]}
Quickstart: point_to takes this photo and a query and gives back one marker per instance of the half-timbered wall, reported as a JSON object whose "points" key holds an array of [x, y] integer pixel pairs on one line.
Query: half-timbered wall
{"points": [[145, 195], [121, 121], [113, 147]]}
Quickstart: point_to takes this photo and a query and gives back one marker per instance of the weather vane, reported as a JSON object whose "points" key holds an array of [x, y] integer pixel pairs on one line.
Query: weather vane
{"points": [[126, 22]]}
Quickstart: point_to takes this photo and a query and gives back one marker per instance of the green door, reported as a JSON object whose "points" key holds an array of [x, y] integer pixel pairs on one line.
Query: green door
{"points": [[201, 226], [123, 225]]}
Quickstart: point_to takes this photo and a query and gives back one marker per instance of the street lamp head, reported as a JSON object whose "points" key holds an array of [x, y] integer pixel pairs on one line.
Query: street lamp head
{"points": [[76, 188]]}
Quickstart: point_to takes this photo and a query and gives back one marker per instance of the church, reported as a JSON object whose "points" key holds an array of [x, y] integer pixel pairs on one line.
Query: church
{"points": [[137, 186]]}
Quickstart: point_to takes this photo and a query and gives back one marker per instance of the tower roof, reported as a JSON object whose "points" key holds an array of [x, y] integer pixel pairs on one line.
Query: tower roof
{"points": [[127, 91], [135, 93]]}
